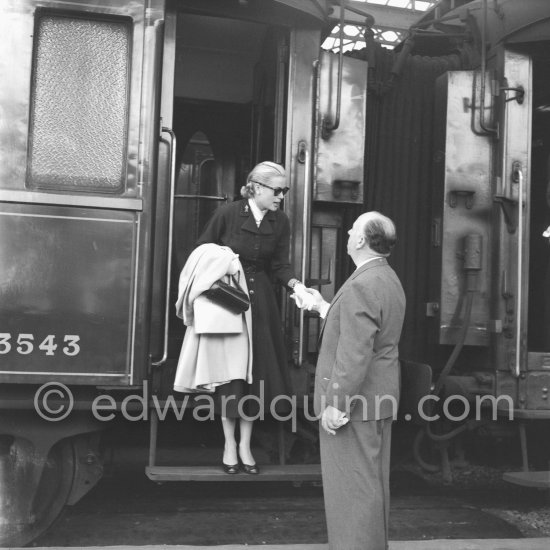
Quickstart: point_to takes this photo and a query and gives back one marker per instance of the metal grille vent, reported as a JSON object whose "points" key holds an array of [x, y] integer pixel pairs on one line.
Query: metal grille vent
{"points": [[79, 107]]}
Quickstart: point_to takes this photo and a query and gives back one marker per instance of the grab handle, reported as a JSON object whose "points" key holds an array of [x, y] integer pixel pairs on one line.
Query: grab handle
{"points": [[517, 177], [169, 131], [306, 223]]}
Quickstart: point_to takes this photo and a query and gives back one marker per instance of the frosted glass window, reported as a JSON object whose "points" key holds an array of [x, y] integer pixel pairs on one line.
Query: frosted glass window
{"points": [[79, 104]]}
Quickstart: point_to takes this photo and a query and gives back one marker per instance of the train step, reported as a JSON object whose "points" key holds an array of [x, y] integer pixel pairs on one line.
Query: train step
{"points": [[287, 472], [539, 480]]}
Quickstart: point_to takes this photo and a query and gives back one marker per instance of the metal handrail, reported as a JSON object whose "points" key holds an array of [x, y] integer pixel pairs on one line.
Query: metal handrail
{"points": [[169, 131], [519, 172], [330, 126], [206, 197], [305, 246]]}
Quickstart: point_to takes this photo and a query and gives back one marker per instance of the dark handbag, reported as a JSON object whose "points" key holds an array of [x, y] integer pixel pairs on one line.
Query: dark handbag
{"points": [[233, 298]]}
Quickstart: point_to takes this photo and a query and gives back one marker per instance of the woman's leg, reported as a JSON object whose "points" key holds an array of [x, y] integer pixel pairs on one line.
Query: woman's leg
{"points": [[230, 448], [245, 452]]}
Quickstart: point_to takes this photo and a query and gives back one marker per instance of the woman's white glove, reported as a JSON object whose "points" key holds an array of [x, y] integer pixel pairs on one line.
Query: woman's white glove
{"points": [[317, 302], [303, 299]]}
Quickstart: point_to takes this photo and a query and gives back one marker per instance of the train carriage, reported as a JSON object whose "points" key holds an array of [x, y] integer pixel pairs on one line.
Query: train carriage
{"points": [[126, 123]]}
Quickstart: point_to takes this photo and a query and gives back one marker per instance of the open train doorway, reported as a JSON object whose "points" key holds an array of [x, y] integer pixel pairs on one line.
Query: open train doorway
{"points": [[243, 84], [229, 83], [227, 111]]}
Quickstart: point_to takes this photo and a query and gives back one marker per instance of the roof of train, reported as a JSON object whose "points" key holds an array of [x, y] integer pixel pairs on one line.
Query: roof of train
{"points": [[507, 20]]}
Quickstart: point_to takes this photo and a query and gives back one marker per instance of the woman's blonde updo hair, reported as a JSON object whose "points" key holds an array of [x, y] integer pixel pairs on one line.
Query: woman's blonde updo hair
{"points": [[262, 173]]}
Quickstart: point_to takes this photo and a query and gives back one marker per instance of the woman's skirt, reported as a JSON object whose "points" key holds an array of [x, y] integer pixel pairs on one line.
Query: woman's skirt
{"points": [[270, 388]]}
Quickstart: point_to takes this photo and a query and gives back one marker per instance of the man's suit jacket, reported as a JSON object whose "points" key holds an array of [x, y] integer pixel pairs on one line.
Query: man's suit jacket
{"points": [[359, 345]]}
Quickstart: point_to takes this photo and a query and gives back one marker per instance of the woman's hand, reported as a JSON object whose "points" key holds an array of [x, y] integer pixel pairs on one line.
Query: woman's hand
{"points": [[303, 299]]}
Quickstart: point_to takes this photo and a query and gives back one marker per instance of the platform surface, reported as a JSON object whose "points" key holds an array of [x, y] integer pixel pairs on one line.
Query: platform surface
{"points": [[439, 544]]}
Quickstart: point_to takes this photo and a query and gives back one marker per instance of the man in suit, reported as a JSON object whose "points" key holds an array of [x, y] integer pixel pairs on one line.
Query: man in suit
{"points": [[357, 388]]}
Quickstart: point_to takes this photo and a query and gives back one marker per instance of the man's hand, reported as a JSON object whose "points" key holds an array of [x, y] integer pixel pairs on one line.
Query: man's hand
{"points": [[332, 419]]}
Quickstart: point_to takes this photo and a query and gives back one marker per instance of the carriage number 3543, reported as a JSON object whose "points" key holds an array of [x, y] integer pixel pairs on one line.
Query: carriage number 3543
{"points": [[25, 344]]}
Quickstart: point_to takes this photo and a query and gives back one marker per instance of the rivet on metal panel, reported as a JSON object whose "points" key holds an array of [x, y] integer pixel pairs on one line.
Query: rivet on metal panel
{"points": [[302, 148], [455, 193]]}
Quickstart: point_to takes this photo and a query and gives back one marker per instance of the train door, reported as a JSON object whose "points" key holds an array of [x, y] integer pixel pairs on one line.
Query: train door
{"points": [[224, 83], [524, 341], [539, 295], [528, 84], [327, 93], [223, 98], [482, 235]]}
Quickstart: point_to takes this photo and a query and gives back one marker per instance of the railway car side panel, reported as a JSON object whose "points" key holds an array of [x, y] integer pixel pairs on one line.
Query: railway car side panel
{"points": [[464, 237], [56, 291], [76, 178]]}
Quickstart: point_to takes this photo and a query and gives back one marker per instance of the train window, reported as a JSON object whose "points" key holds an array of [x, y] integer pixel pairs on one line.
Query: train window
{"points": [[79, 103]]}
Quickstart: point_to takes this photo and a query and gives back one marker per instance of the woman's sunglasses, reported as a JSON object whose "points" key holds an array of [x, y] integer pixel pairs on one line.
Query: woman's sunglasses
{"points": [[276, 190]]}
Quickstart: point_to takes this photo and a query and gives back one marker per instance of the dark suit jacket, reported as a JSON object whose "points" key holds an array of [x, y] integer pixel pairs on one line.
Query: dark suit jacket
{"points": [[359, 344]]}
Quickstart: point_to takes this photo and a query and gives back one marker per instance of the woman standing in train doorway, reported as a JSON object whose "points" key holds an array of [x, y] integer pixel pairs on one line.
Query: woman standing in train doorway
{"points": [[258, 231]]}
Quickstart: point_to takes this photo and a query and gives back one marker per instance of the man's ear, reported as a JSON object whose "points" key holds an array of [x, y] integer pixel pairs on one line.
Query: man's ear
{"points": [[361, 242]]}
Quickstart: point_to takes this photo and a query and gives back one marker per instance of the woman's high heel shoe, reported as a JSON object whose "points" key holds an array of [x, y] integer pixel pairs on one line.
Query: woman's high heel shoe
{"points": [[230, 468], [250, 469]]}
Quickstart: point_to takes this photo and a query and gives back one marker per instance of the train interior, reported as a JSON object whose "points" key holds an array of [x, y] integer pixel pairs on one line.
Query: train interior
{"points": [[539, 265]]}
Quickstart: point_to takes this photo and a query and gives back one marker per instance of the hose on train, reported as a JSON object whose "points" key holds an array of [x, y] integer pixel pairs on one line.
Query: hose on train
{"points": [[472, 267]]}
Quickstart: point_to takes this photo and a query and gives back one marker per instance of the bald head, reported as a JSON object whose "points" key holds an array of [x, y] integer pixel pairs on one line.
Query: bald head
{"points": [[379, 232]]}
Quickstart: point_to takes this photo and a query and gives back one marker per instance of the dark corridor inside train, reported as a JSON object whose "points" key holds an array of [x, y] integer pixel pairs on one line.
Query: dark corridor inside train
{"points": [[539, 246]]}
